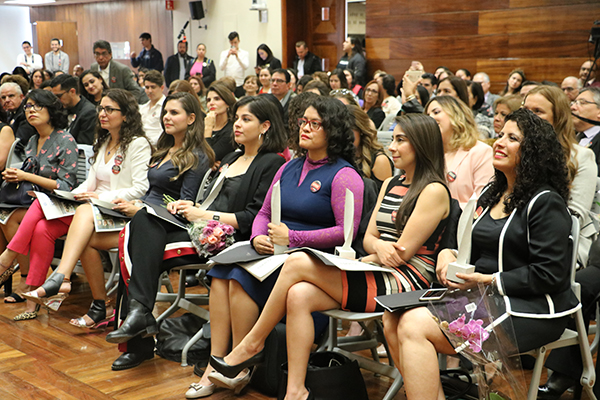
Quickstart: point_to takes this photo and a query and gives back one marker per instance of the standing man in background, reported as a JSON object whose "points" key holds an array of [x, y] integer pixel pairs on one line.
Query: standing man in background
{"points": [[149, 57], [57, 60], [28, 59], [306, 63], [178, 63], [234, 63]]}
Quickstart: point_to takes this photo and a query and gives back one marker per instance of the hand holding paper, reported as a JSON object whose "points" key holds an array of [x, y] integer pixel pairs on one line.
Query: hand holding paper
{"points": [[346, 251]]}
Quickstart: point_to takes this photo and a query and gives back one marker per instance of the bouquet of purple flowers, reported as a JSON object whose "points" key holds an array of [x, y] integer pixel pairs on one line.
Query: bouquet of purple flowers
{"points": [[210, 237]]}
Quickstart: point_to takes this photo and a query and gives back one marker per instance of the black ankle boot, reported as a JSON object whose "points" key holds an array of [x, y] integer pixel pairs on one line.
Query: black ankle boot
{"points": [[556, 385], [139, 321]]}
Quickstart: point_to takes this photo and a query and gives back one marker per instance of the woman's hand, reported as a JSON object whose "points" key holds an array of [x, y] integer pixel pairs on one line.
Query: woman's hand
{"points": [[192, 213], [408, 87], [14, 175], [387, 253], [445, 257], [174, 206], [126, 207], [209, 121], [471, 280], [279, 234], [262, 244], [88, 195]]}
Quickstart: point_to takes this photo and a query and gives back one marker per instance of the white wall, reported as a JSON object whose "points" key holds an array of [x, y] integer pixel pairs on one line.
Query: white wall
{"points": [[224, 16], [15, 28]]}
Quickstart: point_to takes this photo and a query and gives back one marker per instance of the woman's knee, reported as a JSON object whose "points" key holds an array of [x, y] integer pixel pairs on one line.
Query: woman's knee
{"points": [[414, 324], [295, 263]]}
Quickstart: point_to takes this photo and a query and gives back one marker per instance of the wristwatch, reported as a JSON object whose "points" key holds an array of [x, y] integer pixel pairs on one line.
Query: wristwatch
{"points": [[217, 216]]}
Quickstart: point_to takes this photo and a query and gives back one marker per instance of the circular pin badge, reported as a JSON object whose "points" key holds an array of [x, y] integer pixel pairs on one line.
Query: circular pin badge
{"points": [[315, 186], [394, 213], [113, 79], [116, 169], [118, 160], [451, 176]]}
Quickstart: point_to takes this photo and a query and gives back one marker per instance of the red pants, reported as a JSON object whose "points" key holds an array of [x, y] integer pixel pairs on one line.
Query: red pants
{"points": [[37, 230]]}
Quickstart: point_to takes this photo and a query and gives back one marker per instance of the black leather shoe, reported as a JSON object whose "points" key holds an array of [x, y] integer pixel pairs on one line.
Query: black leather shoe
{"points": [[231, 371], [130, 360], [191, 281], [139, 321], [556, 385]]}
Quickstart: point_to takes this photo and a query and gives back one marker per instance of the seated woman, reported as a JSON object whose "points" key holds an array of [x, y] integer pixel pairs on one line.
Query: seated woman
{"points": [[353, 84], [199, 88], [92, 86], [468, 161], [55, 154], [251, 85], [520, 246], [313, 190], [484, 123], [374, 94], [502, 107], [370, 156], [514, 82], [121, 155], [404, 233], [259, 132], [264, 76], [218, 123], [176, 169], [337, 80]]}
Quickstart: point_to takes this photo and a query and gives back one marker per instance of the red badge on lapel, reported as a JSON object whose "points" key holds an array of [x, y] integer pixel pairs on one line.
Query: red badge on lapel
{"points": [[116, 169], [315, 186], [113, 79]]}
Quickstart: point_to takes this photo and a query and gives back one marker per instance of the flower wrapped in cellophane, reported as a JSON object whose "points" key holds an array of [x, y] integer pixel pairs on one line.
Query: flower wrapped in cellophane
{"points": [[210, 237], [477, 325]]}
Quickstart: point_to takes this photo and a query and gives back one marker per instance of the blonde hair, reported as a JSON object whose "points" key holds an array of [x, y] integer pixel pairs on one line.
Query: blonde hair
{"points": [[464, 128]]}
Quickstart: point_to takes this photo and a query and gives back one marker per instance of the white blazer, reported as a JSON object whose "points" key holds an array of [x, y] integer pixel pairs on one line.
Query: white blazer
{"points": [[132, 180]]}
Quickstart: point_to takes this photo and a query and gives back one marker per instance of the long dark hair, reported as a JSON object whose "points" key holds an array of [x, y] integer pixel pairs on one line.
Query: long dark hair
{"points": [[423, 133], [186, 157], [84, 92], [266, 49], [337, 123], [264, 108], [131, 127], [541, 162], [341, 76]]}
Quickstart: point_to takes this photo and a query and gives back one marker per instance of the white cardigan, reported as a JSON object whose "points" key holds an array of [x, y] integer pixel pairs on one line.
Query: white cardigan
{"points": [[132, 180]]}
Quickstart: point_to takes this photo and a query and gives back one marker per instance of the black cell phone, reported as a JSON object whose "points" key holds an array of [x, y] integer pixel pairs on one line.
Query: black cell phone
{"points": [[433, 294]]}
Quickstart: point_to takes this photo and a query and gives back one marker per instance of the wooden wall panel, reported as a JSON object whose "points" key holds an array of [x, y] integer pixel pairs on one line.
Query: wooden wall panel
{"points": [[115, 21], [547, 38]]}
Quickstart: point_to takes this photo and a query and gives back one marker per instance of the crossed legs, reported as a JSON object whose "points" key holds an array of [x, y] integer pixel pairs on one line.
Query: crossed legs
{"points": [[304, 285]]}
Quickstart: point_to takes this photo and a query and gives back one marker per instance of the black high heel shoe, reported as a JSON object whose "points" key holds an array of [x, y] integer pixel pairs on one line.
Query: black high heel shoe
{"points": [[556, 385], [139, 321], [231, 371], [97, 313]]}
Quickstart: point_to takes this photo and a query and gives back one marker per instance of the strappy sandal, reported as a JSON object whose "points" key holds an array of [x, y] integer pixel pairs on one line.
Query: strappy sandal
{"points": [[53, 298], [27, 315], [16, 297], [97, 313]]}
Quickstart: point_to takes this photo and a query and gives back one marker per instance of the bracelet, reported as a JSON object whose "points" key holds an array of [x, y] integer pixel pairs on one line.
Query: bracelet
{"points": [[493, 282], [412, 96]]}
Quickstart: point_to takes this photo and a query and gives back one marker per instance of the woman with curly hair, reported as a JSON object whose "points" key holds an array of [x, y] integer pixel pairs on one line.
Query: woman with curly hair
{"points": [[53, 154], [468, 161], [514, 82], [198, 88], [520, 247], [412, 212], [119, 171], [370, 157]]}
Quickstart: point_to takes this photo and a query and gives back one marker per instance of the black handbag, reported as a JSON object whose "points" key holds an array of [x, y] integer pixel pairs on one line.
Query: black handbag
{"points": [[266, 377], [175, 333], [16, 192], [330, 376]]}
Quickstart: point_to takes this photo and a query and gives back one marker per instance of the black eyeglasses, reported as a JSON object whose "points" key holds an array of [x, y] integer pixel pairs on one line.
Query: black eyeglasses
{"points": [[30, 106], [107, 110], [59, 95], [314, 124]]}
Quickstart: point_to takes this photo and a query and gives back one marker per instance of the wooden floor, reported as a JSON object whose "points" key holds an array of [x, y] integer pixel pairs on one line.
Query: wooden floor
{"points": [[47, 358]]}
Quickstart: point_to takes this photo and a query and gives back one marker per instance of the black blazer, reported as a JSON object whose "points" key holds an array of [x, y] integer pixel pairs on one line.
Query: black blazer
{"points": [[209, 72], [253, 188], [172, 67], [312, 64], [535, 258]]}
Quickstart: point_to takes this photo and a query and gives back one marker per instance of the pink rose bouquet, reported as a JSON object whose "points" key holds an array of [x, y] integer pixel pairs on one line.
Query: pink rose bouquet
{"points": [[210, 237]]}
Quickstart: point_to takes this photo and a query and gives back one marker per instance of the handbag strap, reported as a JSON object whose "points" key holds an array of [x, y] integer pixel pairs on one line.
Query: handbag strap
{"points": [[215, 189]]}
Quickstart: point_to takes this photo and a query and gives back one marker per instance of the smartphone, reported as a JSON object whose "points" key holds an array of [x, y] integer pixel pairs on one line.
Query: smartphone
{"points": [[414, 75], [433, 294]]}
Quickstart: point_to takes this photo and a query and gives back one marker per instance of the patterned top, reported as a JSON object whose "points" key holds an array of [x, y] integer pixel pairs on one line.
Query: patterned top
{"points": [[57, 158], [424, 259]]}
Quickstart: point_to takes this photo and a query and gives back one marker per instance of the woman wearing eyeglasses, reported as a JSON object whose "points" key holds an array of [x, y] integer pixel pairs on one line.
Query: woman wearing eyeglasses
{"points": [[374, 94], [313, 191], [55, 154], [121, 156]]}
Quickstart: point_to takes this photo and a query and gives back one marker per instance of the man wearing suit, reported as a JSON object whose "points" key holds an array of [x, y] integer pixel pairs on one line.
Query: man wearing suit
{"points": [[306, 63], [115, 74], [177, 64], [587, 106]]}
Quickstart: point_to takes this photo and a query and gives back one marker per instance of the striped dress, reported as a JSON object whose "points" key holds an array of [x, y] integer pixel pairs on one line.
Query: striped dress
{"points": [[361, 288]]}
